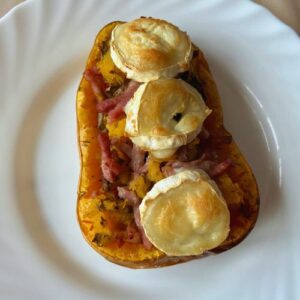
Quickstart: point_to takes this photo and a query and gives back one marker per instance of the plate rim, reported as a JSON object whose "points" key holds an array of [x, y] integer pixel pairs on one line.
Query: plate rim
{"points": [[13, 13]]}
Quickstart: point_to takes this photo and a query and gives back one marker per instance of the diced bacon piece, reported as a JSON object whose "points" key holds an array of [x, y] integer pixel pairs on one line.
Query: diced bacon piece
{"points": [[96, 80], [125, 193], [137, 158], [115, 106], [221, 168], [142, 169], [133, 199], [110, 168], [200, 163], [117, 113], [212, 168], [107, 105]]}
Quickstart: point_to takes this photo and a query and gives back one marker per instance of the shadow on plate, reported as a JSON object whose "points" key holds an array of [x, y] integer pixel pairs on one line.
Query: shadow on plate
{"points": [[252, 130], [28, 201]]}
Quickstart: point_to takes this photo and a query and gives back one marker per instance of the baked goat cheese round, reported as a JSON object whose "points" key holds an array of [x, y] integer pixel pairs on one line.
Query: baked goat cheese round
{"points": [[163, 115], [185, 214], [147, 49]]}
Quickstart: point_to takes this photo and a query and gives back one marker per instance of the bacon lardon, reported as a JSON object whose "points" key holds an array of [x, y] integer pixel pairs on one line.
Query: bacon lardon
{"points": [[110, 168], [96, 80], [114, 107], [134, 200]]}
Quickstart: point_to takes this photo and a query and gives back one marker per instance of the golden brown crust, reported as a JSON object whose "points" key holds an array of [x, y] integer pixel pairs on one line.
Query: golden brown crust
{"points": [[147, 49], [238, 186], [185, 214]]}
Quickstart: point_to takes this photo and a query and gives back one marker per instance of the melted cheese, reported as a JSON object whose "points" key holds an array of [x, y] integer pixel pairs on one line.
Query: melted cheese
{"points": [[147, 49], [164, 115], [185, 214]]}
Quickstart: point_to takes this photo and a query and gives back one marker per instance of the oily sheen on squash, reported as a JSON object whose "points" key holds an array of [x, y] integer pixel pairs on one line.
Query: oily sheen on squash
{"points": [[100, 214]]}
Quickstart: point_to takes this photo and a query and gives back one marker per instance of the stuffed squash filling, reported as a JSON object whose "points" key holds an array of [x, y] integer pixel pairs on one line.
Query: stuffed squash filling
{"points": [[160, 177]]}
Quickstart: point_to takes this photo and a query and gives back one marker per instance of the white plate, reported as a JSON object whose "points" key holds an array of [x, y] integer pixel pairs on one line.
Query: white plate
{"points": [[256, 62]]}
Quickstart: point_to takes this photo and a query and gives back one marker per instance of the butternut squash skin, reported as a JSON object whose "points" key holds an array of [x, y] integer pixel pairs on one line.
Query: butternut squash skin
{"points": [[100, 215]]}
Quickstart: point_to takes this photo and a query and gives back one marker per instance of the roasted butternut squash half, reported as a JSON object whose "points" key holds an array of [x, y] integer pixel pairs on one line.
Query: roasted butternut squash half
{"points": [[119, 169]]}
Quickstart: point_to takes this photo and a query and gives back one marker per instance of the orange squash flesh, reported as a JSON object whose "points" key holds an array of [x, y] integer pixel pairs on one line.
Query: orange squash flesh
{"points": [[101, 215]]}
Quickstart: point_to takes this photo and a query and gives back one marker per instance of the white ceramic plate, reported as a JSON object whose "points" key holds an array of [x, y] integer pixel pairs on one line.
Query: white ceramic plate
{"points": [[43, 48]]}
